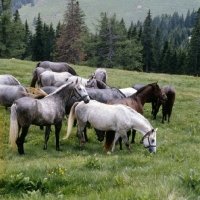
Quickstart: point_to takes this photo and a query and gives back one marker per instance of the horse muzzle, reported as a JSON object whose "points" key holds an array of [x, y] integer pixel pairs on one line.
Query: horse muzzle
{"points": [[152, 149], [86, 99]]}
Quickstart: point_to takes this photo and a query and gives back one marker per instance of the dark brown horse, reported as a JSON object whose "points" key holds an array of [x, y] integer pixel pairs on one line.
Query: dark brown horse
{"points": [[137, 101], [166, 105]]}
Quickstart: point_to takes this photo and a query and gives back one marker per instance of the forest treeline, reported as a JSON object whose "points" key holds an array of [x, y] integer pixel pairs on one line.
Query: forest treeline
{"points": [[164, 44]]}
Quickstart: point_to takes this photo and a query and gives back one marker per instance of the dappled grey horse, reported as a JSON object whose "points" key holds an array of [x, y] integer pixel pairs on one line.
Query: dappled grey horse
{"points": [[42, 112], [57, 66], [49, 78], [7, 79], [118, 118], [10, 93]]}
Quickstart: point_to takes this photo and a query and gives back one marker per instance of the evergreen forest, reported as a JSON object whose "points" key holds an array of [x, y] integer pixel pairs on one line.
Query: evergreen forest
{"points": [[165, 44]]}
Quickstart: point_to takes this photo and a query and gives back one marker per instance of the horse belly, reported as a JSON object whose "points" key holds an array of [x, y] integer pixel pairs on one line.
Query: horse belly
{"points": [[103, 120]]}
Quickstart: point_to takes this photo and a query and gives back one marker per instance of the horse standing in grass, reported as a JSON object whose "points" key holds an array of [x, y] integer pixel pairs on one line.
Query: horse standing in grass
{"points": [[57, 67], [7, 79], [42, 112], [137, 100], [118, 118], [166, 105], [10, 93], [49, 78]]}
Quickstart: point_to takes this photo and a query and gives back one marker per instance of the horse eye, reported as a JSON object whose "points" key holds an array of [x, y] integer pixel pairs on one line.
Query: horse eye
{"points": [[153, 141]]}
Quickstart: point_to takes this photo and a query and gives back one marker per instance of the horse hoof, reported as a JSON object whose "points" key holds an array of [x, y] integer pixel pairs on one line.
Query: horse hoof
{"points": [[108, 152]]}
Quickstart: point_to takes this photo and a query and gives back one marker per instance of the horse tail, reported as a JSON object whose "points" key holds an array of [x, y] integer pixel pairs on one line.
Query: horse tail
{"points": [[34, 79], [38, 64], [14, 127], [40, 81], [71, 119], [110, 135]]}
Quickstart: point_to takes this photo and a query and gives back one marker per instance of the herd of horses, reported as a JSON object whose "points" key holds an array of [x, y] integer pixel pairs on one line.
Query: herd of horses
{"points": [[57, 90]]}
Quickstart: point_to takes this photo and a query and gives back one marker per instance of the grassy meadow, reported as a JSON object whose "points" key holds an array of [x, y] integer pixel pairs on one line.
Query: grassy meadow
{"points": [[89, 173]]}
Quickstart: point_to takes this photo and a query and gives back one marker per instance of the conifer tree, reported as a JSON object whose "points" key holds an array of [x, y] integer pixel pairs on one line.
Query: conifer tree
{"points": [[193, 58], [38, 42], [68, 45], [147, 42], [5, 27]]}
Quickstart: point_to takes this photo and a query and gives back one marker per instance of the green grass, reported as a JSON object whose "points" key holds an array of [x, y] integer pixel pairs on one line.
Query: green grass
{"points": [[89, 172], [130, 10]]}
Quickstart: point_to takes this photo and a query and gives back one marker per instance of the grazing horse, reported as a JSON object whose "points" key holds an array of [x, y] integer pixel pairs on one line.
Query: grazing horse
{"points": [[94, 83], [36, 73], [7, 79], [118, 118], [42, 112], [49, 78], [57, 67], [10, 93], [138, 99], [166, 105], [100, 74]]}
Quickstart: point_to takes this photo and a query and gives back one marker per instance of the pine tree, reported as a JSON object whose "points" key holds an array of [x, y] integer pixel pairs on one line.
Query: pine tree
{"points": [[147, 42], [5, 27], [68, 46], [28, 42], [17, 46], [193, 58], [38, 43]]}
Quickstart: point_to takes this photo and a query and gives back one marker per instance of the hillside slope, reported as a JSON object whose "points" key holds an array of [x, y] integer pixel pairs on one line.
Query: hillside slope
{"points": [[129, 10]]}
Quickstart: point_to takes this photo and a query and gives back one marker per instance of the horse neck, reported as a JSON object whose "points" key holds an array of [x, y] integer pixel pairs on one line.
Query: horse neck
{"points": [[140, 123], [144, 95], [63, 95]]}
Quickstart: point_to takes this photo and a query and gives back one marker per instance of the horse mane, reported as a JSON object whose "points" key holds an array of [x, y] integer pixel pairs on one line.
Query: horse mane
{"points": [[118, 91], [143, 88], [59, 89], [101, 84], [38, 64], [15, 79]]}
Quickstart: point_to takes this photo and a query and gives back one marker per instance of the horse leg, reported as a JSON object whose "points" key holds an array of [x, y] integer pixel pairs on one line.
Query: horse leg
{"points": [[46, 137], [117, 136], [133, 136], [85, 133], [58, 127], [20, 140], [125, 139], [80, 132]]}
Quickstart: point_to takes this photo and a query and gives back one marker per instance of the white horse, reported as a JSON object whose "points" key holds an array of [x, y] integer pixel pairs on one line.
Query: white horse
{"points": [[128, 91], [82, 80], [48, 78], [118, 118]]}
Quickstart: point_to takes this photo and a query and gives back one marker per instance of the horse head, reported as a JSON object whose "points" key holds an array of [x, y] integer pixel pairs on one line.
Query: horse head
{"points": [[149, 140], [158, 93], [80, 92]]}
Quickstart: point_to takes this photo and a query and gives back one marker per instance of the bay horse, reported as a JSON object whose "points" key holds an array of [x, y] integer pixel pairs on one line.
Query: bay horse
{"points": [[166, 105], [118, 118], [47, 111], [137, 100], [7, 79]]}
